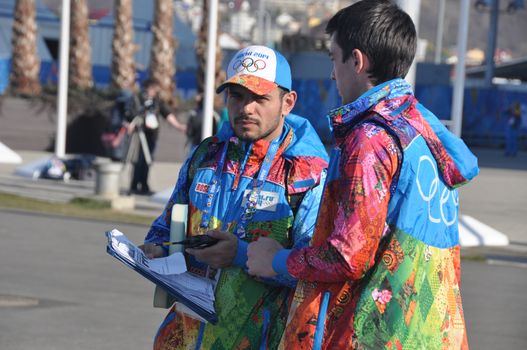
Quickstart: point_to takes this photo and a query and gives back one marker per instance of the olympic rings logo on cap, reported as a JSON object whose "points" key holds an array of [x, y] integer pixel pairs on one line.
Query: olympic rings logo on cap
{"points": [[249, 65]]}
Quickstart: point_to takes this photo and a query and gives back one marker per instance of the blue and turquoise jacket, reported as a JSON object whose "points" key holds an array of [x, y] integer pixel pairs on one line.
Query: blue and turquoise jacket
{"points": [[250, 311]]}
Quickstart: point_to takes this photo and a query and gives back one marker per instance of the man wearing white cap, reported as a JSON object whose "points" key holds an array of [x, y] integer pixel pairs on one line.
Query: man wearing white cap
{"points": [[259, 176]]}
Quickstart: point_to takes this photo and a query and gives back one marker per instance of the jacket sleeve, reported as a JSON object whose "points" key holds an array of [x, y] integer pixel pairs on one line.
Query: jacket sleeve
{"points": [[306, 215], [304, 225], [160, 229], [302, 231], [361, 192]]}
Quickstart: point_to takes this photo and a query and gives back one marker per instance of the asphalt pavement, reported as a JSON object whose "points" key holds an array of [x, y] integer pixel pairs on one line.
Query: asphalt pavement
{"points": [[60, 290]]}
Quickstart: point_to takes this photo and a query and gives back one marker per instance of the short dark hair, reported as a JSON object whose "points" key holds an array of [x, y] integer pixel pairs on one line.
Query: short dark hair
{"points": [[283, 91], [150, 82], [382, 31]]}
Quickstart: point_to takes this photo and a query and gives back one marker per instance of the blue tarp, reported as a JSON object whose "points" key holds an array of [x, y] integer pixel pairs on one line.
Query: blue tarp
{"points": [[5, 65], [484, 117]]}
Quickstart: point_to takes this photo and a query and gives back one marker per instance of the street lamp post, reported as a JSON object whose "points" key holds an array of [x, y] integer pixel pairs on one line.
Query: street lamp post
{"points": [[261, 39], [439, 34], [459, 81], [491, 46], [494, 8], [62, 101], [208, 106], [413, 8]]}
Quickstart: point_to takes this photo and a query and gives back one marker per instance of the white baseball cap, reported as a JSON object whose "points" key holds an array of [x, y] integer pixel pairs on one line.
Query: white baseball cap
{"points": [[259, 69]]}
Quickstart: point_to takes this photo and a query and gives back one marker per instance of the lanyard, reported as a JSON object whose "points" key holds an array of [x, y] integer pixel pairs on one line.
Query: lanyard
{"points": [[213, 189], [252, 197], [257, 185]]}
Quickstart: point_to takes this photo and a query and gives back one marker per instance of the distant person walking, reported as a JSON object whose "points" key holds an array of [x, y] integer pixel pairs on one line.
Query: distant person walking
{"points": [[512, 129], [147, 109]]}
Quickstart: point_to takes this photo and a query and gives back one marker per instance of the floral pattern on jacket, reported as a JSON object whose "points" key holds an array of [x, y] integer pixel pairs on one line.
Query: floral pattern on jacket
{"points": [[382, 269]]}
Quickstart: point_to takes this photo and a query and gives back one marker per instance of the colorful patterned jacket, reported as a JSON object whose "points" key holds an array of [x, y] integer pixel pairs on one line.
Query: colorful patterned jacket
{"points": [[252, 313], [382, 270]]}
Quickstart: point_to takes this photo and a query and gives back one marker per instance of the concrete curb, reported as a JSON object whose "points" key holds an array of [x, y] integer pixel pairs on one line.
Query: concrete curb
{"points": [[7, 155], [473, 233]]}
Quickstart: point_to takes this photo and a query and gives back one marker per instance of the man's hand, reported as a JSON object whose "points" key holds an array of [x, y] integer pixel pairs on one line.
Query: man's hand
{"points": [[152, 251], [260, 257], [220, 254]]}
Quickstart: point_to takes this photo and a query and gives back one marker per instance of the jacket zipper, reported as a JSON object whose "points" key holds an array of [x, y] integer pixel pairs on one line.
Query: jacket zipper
{"points": [[321, 320], [265, 328], [200, 335]]}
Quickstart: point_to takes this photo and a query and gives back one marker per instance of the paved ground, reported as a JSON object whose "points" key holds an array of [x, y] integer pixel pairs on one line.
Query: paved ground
{"points": [[60, 290], [82, 297], [163, 176], [498, 195]]}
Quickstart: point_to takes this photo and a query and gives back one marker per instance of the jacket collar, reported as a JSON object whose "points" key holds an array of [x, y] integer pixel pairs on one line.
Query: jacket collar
{"points": [[344, 117], [260, 147], [257, 149]]}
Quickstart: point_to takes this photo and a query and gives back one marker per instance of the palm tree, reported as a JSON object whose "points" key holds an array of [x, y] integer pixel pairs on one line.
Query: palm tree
{"points": [[123, 47], [201, 53], [25, 63], [162, 65], [80, 69]]}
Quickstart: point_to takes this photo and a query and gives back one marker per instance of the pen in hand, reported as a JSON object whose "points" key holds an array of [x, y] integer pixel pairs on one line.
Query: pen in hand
{"points": [[195, 242]]}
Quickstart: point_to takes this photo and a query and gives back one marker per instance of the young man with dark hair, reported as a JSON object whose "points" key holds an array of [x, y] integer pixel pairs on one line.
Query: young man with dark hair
{"points": [[382, 270], [258, 176]]}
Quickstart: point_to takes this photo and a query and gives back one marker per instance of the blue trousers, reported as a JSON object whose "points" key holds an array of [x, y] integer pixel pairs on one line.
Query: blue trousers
{"points": [[511, 141]]}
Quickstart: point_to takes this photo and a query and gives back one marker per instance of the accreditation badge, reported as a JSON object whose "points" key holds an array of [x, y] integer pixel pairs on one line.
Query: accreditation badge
{"points": [[151, 121], [267, 201]]}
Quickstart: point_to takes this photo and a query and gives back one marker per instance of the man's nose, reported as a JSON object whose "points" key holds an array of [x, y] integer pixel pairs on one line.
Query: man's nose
{"points": [[248, 106], [332, 75]]}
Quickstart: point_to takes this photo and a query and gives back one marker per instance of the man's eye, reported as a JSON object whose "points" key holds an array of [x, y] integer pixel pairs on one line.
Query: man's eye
{"points": [[261, 98]]}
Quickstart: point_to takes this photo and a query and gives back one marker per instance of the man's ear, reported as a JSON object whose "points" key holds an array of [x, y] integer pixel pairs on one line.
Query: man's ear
{"points": [[288, 102], [361, 61]]}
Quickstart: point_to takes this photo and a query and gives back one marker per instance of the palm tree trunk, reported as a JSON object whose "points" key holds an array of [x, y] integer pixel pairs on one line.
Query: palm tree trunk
{"points": [[80, 48], [162, 65], [25, 63], [201, 53], [123, 47]]}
